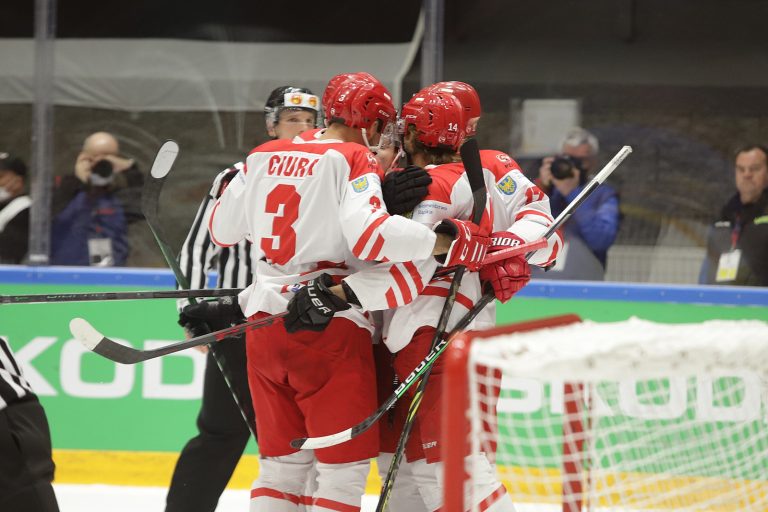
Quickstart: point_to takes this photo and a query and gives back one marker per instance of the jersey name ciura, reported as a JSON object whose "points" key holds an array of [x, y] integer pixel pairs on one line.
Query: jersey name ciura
{"points": [[291, 166]]}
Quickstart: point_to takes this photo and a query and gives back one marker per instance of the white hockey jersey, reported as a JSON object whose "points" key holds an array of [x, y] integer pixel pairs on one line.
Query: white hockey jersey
{"points": [[311, 207], [517, 206], [410, 285]]}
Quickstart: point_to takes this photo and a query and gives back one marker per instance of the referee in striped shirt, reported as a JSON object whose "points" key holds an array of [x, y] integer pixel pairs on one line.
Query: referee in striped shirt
{"points": [[26, 466], [208, 460]]}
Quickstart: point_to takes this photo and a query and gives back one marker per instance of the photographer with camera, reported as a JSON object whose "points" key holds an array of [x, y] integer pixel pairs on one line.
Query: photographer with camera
{"points": [[89, 218], [593, 227]]}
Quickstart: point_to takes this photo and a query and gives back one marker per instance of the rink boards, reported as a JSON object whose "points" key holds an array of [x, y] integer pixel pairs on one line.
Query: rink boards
{"points": [[125, 424]]}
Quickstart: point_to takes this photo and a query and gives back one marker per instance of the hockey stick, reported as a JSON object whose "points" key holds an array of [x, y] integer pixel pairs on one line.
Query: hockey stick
{"points": [[470, 156], [150, 200], [96, 342], [311, 443], [212, 292], [99, 296], [498, 255]]}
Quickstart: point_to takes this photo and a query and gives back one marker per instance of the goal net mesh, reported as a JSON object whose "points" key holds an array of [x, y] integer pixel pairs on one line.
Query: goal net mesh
{"points": [[631, 415]]}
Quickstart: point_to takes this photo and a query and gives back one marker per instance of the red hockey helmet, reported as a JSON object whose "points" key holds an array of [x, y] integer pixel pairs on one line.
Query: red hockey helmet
{"points": [[336, 81], [358, 103], [438, 118], [467, 96]]}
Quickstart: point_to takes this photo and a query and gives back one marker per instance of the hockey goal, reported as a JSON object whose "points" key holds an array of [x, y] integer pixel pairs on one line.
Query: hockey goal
{"points": [[631, 415]]}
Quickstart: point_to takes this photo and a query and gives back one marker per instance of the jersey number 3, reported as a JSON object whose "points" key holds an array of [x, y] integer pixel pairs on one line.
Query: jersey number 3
{"points": [[281, 246]]}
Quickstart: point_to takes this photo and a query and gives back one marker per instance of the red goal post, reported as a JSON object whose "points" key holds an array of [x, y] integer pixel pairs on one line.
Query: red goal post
{"points": [[456, 425]]}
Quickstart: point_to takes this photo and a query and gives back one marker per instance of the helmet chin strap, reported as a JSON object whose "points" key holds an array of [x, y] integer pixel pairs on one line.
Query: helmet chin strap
{"points": [[365, 139]]}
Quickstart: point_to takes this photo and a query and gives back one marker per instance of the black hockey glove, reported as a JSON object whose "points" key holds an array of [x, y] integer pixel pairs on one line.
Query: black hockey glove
{"points": [[201, 318], [313, 306], [403, 190]]}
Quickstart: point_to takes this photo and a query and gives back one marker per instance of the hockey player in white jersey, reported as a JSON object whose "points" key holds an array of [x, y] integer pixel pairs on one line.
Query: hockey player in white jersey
{"points": [[313, 208], [521, 213], [222, 433]]}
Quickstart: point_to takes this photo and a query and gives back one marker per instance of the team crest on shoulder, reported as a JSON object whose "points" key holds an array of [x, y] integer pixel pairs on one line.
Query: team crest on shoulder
{"points": [[507, 185], [504, 158], [360, 184]]}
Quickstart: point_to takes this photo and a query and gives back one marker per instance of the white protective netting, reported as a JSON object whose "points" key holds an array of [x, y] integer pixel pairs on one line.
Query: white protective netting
{"points": [[631, 415]]}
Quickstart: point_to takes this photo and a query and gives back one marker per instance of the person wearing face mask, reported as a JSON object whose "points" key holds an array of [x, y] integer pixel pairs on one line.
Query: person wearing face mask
{"points": [[14, 210]]}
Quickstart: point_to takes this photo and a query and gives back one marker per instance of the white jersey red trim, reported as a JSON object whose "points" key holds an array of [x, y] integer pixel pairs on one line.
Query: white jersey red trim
{"points": [[517, 206], [409, 286], [303, 202]]}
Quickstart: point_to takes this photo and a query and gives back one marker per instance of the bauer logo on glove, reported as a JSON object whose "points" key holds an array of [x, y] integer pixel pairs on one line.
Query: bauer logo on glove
{"points": [[313, 306]]}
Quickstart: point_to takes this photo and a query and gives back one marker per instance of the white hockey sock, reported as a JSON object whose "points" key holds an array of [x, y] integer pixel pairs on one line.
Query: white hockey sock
{"points": [[281, 482], [340, 486], [429, 481], [488, 494], [310, 488], [405, 494]]}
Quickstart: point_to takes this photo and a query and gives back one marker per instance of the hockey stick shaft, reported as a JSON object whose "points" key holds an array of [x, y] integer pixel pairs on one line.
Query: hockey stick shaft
{"points": [[99, 296], [96, 342], [561, 219], [356, 430], [470, 156], [500, 255], [150, 201]]}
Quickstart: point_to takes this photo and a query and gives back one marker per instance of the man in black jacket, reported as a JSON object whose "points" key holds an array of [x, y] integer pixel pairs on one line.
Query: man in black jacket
{"points": [[737, 248]]}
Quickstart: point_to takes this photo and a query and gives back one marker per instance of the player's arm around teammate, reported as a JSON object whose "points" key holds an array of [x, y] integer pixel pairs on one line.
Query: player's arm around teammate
{"points": [[311, 206]]}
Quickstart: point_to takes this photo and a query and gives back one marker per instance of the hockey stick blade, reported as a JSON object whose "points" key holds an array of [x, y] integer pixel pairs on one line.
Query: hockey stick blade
{"points": [[96, 342], [99, 296], [164, 159], [310, 443]]}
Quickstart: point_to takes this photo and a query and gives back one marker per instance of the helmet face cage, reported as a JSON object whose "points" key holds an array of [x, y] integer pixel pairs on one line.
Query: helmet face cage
{"points": [[467, 96], [390, 137], [438, 118], [288, 97]]}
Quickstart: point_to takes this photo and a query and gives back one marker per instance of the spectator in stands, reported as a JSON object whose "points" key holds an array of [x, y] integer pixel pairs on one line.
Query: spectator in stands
{"points": [[594, 225], [90, 219], [14, 210], [737, 245]]}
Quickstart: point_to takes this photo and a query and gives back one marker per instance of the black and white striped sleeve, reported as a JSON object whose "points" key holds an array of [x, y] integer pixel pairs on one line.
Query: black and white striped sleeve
{"points": [[13, 386], [197, 255]]}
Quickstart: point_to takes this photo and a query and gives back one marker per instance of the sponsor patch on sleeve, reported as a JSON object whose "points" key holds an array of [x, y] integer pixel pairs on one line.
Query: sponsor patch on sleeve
{"points": [[360, 184], [507, 185]]}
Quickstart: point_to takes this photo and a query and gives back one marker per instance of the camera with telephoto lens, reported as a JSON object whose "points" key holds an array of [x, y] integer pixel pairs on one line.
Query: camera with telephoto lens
{"points": [[102, 173], [563, 165]]}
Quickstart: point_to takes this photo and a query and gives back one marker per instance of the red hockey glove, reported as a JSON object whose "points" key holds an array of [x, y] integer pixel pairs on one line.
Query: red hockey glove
{"points": [[470, 243], [509, 276], [221, 181]]}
